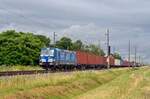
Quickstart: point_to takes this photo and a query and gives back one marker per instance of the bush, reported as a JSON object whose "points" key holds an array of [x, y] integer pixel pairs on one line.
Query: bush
{"points": [[18, 48]]}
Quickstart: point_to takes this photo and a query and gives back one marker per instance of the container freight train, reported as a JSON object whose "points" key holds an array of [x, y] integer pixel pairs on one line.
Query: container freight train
{"points": [[54, 58]]}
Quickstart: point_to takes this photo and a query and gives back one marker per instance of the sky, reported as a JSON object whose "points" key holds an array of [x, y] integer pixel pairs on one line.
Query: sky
{"points": [[87, 20]]}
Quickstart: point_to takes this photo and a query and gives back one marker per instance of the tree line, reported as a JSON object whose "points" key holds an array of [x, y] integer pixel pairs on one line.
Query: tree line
{"points": [[68, 44], [21, 48]]}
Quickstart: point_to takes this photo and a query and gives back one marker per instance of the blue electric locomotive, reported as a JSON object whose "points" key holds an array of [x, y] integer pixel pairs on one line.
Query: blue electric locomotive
{"points": [[57, 58]]}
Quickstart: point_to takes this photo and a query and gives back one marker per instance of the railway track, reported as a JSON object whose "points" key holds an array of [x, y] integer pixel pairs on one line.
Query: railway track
{"points": [[13, 73], [30, 72]]}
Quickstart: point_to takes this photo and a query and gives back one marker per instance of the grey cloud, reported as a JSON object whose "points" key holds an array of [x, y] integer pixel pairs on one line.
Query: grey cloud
{"points": [[82, 19]]}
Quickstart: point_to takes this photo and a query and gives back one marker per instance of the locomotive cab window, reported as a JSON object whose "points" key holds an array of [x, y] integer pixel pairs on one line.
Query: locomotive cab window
{"points": [[44, 52], [51, 53]]}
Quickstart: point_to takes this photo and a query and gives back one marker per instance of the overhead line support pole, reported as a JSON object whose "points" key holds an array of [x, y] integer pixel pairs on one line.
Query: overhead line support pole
{"points": [[129, 52], [54, 38], [108, 49], [135, 54]]}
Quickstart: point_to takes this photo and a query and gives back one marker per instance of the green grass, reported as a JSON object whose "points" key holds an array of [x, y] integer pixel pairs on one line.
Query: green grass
{"points": [[107, 84], [126, 86], [19, 67]]}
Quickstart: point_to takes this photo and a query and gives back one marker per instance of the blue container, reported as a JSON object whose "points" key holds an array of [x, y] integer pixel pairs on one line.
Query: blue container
{"points": [[64, 57]]}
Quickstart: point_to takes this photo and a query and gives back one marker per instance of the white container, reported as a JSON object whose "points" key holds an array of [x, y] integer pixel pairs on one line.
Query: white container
{"points": [[117, 62]]}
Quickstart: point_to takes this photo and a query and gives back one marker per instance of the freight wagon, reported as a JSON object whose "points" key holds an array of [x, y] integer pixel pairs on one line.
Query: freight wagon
{"points": [[118, 62], [88, 60], [126, 63]]}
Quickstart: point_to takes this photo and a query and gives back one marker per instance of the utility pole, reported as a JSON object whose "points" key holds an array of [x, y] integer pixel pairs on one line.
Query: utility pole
{"points": [[135, 54], [142, 61], [139, 61], [107, 37], [54, 38], [108, 49], [99, 44], [114, 49], [129, 52], [49, 39]]}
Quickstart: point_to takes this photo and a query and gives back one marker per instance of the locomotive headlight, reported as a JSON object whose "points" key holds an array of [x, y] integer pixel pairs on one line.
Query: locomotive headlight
{"points": [[41, 63], [50, 60], [43, 60]]}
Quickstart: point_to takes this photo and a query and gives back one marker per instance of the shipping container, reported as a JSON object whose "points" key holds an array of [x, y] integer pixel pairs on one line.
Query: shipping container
{"points": [[132, 63], [100, 60], [117, 62], [84, 58], [91, 59], [64, 57], [126, 63], [105, 60], [81, 58]]}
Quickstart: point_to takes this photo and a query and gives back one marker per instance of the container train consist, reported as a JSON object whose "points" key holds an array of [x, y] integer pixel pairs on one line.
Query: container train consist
{"points": [[55, 58]]}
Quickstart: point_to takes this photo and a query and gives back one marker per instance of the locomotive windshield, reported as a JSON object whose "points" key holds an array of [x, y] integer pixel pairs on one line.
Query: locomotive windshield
{"points": [[47, 52], [51, 52], [44, 52]]}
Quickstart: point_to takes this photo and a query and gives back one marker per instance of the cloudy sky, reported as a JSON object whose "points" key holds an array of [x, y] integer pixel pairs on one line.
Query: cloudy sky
{"points": [[83, 19]]}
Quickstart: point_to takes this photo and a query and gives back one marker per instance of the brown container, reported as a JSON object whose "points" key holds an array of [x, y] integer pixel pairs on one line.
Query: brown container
{"points": [[81, 57], [85, 58], [89, 57], [100, 60]]}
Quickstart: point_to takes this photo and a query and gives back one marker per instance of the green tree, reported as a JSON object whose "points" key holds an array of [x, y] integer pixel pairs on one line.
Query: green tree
{"points": [[21, 48], [96, 50], [117, 55], [64, 43], [77, 45], [44, 39]]}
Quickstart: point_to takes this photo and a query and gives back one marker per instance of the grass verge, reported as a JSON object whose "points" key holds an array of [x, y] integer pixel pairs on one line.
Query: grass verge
{"points": [[107, 84]]}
